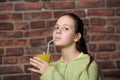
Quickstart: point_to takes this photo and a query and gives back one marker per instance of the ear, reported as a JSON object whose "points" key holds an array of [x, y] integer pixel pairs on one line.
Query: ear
{"points": [[77, 37]]}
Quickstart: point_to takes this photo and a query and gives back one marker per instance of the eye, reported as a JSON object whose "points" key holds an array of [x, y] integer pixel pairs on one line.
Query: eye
{"points": [[65, 28], [56, 28]]}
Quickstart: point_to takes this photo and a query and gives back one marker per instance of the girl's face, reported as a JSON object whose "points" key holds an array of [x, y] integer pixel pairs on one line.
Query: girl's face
{"points": [[64, 32]]}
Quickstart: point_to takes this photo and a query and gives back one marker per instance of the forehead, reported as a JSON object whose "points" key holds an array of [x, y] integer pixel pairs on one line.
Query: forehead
{"points": [[65, 20]]}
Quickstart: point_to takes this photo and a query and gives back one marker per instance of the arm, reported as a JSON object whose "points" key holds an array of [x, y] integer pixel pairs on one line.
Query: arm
{"points": [[52, 74], [47, 71]]}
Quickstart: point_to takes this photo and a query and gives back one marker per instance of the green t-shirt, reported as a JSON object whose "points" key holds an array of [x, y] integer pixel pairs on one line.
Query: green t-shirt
{"points": [[74, 70]]}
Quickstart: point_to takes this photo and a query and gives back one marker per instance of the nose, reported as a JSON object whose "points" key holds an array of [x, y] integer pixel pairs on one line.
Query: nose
{"points": [[58, 31]]}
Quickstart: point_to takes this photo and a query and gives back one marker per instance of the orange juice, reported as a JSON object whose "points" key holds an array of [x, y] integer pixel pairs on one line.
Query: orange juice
{"points": [[45, 57]]}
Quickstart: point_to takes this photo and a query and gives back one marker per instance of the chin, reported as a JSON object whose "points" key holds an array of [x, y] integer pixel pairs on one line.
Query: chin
{"points": [[59, 45], [56, 44]]}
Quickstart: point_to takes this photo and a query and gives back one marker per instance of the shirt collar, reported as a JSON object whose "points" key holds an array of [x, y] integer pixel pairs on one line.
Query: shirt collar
{"points": [[81, 53]]}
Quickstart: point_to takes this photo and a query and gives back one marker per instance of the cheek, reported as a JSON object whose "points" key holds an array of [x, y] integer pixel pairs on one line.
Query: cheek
{"points": [[70, 36], [53, 34]]}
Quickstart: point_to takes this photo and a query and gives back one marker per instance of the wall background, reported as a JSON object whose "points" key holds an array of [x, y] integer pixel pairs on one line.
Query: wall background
{"points": [[26, 27]]}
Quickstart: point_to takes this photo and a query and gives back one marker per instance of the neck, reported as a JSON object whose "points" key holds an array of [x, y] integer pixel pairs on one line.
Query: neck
{"points": [[69, 53]]}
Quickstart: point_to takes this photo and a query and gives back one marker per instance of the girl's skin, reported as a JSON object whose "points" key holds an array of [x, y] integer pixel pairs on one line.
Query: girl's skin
{"points": [[66, 38]]}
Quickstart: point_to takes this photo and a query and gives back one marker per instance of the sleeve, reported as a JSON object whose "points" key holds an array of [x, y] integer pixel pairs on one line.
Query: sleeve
{"points": [[52, 74], [92, 73]]}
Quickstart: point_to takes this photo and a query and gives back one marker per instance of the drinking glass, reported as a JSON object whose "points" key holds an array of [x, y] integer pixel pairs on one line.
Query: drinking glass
{"points": [[45, 56]]}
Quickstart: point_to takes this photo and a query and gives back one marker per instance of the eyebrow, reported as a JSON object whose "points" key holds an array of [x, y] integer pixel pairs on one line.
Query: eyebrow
{"points": [[64, 25]]}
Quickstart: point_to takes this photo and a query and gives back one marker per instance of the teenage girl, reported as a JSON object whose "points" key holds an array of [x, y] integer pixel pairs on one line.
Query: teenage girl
{"points": [[75, 62]]}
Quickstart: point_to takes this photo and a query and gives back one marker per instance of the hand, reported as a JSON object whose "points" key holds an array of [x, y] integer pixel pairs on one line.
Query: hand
{"points": [[40, 65]]}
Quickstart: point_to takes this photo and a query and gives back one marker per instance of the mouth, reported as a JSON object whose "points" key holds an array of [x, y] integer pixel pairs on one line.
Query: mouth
{"points": [[57, 38]]}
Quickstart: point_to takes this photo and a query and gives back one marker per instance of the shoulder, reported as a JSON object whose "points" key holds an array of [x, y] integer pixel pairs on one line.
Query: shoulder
{"points": [[94, 64], [89, 60]]}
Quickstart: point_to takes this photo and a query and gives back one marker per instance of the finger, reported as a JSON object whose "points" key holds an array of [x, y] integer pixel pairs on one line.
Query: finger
{"points": [[34, 70], [40, 60], [35, 64], [33, 60]]}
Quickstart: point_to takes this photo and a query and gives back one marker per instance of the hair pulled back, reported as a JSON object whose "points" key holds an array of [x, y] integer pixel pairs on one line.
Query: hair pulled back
{"points": [[80, 45]]}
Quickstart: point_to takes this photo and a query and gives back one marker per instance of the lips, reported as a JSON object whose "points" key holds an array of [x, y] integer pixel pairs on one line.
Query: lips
{"points": [[57, 38]]}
